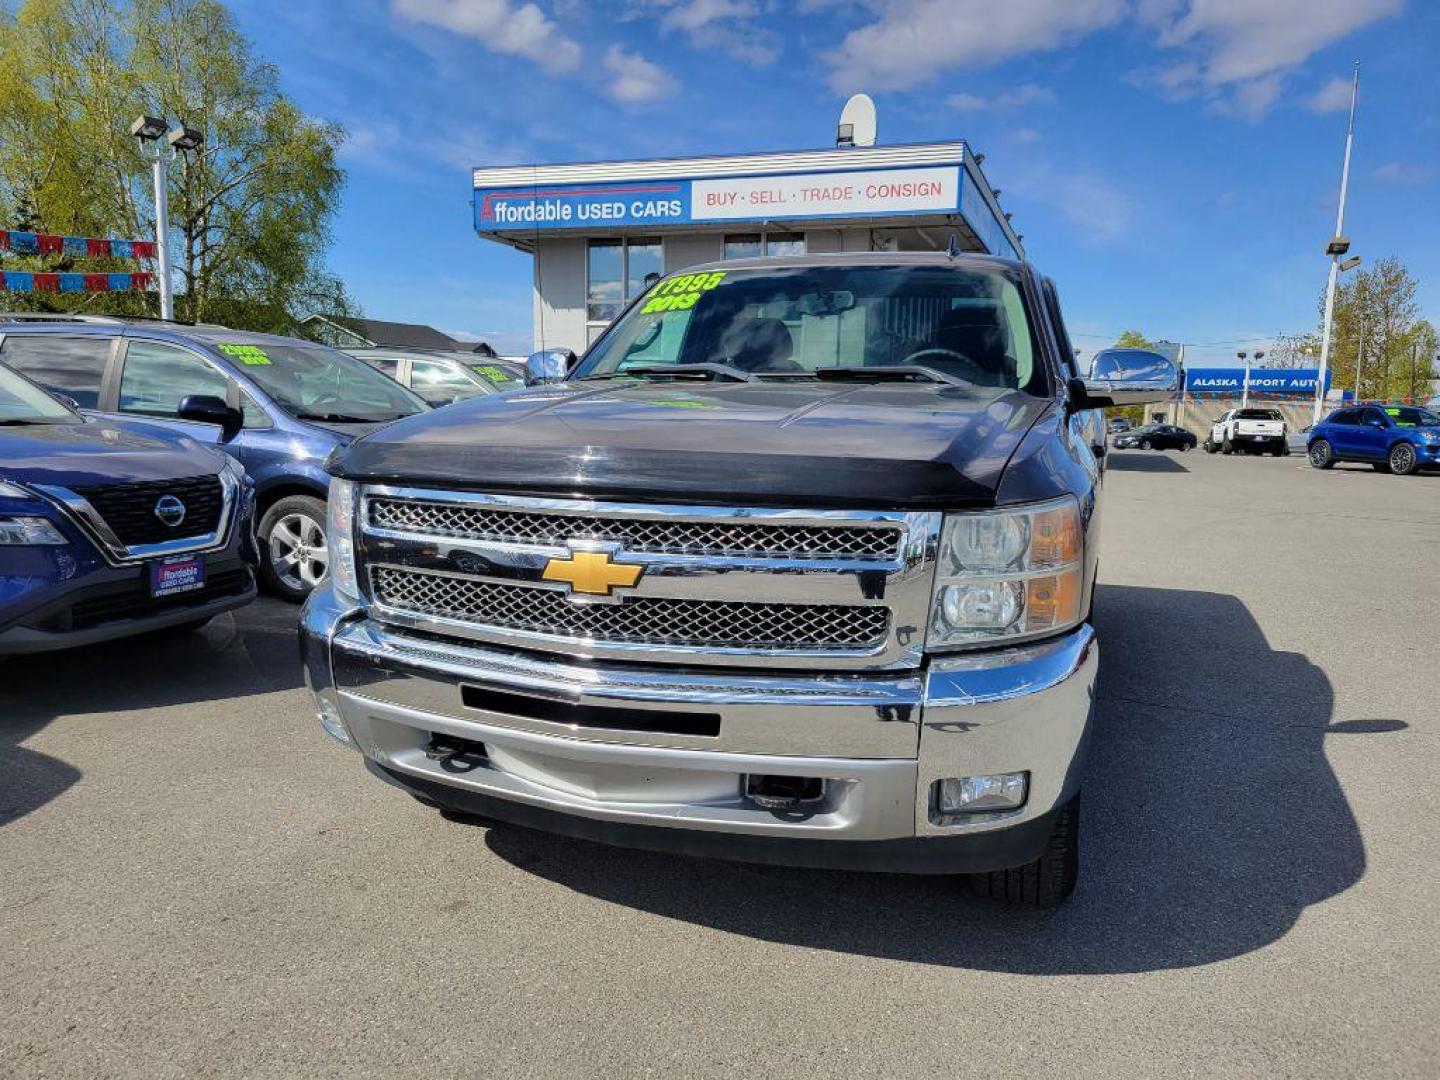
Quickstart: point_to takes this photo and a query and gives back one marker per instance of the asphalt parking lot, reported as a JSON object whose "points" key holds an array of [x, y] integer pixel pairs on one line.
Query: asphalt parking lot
{"points": [[197, 882]]}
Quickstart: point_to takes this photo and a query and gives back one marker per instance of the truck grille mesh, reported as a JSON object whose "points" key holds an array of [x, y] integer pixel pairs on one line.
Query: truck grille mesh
{"points": [[638, 619], [723, 538]]}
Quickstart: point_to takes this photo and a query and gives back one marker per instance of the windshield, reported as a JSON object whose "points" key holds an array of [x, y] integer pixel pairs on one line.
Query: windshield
{"points": [[312, 382], [965, 324], [1404, 416], [501, 376], [22, 402]]}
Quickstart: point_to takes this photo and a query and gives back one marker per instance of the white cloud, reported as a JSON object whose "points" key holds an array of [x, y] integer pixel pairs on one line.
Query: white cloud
{"points": [[1021, 96], [1399, 172], [723, 25], [1235, 54], [1334, 96], [634, 79], [1024, 136], [915, 39], [1242, 50], [502, 26]]}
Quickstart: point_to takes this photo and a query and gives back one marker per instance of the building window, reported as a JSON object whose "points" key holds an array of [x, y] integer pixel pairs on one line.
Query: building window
{"points": [[617, 271], [753, 245]]}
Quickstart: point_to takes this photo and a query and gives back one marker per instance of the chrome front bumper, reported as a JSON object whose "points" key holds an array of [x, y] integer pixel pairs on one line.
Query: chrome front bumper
{"points": [[879, 741]]}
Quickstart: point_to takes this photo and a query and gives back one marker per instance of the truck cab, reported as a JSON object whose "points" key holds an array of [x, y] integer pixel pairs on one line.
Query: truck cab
{"points": [[795, 566]]}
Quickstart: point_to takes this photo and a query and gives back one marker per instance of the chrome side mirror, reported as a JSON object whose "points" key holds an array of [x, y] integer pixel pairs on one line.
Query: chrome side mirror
{"points": [[1130, 377], [546, 366]]}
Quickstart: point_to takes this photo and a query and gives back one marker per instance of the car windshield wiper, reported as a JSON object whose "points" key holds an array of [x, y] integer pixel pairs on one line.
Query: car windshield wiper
{"points": [[890, 373], [337, 418], [680, 371]]}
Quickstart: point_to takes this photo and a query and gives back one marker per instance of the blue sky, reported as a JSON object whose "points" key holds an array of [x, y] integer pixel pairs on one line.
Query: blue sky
{"points": [[1173, 164]]}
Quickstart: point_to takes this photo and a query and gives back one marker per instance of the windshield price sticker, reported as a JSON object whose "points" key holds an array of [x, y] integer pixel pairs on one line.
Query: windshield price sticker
{"points": [[680, 293], [493, 373], [252, 355]]}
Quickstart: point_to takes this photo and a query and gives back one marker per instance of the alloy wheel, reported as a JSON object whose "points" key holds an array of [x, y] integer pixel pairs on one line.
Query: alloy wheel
{"points": [[298, 552], [1402, 458]]}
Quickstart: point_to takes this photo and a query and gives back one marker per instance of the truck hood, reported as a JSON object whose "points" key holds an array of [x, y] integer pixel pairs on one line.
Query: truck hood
{"points": [[887, 445], [99, 452]]}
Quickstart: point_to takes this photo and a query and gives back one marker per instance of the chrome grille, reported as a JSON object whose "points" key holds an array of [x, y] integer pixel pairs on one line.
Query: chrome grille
{"points": [[642, 535], [638, 619]]}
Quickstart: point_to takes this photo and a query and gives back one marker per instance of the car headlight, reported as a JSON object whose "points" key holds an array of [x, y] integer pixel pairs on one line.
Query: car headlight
{"points": [[29, 531], [340, 537], [1007, 575]]}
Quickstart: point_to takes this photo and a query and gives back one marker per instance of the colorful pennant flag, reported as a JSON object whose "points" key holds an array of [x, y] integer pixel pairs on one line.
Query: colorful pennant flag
{"points": [[28, 243], [27, 281]]}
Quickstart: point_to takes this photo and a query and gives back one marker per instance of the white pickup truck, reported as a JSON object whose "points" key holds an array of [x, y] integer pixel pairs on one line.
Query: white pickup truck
{"points": [[1248, 431]]}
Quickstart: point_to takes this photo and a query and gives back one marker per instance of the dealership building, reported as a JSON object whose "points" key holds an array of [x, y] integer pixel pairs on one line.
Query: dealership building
{"points": [[601, 231]]}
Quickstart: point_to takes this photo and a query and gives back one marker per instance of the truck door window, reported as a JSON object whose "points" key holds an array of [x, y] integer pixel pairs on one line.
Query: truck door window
{"points": [[1062, 336], [74, 366], [157, 376]]}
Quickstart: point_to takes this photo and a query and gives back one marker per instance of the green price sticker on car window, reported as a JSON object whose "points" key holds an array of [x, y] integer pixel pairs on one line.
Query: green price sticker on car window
{"points": [[493, 373], [681, 292], [251, 355]]}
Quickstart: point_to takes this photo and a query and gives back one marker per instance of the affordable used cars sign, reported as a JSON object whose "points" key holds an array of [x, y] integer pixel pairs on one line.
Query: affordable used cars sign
{"points": [[876, 192]]}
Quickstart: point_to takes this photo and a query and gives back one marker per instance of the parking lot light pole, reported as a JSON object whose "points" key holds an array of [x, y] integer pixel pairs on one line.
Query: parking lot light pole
{"points": [[1337, 247], [151, 129]]}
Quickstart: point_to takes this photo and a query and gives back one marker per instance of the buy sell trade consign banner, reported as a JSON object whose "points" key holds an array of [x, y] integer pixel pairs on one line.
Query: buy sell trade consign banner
{"points": [[860, 193]]}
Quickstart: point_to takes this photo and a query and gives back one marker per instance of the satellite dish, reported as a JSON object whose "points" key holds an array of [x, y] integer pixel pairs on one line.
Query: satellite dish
{"points": [[857, 122]]}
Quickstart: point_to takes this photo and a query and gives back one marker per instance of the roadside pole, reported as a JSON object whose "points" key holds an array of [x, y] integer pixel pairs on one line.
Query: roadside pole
{"points": [[1335, 255], [162, 242]]}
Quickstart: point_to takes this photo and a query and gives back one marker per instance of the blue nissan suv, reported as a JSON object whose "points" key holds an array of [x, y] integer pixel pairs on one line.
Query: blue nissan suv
{"points": [[110, 529], [278, 405]]}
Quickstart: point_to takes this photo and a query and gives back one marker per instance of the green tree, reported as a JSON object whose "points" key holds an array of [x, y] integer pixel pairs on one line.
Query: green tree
{"points": [[1133, 339], [1376, 306], [250, 212]]}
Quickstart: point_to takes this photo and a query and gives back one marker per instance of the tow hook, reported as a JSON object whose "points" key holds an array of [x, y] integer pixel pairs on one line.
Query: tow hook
{"points": [[771, 792], [455, 754]]}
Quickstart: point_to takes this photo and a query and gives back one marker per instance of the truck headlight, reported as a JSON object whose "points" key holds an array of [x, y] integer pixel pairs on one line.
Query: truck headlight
{"points": [[1008, 574], [28, 531], [340, 537]]}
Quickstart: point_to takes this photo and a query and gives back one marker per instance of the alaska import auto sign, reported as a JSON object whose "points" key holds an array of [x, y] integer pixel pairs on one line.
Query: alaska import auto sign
{"points": [[871, 192], [1262, 380]]}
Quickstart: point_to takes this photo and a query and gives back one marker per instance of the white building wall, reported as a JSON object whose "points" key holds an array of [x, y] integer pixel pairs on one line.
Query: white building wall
{"points": [[692, 249], [560, 293]]}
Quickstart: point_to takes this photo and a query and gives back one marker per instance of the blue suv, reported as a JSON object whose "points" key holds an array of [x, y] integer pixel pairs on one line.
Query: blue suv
{"points": [[279, 405], [1400, 439], [110, 529]]}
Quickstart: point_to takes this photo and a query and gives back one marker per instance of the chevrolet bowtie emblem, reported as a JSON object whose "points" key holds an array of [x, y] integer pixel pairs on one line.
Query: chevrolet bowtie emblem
{"points": [[592, 573]]}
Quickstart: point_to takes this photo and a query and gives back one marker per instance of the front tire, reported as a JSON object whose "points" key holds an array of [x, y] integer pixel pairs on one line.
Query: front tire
{"points": [[1049, 880], [1403, 460], [1145, 444], [1210, 447], [294, 553], [1321, 454]]}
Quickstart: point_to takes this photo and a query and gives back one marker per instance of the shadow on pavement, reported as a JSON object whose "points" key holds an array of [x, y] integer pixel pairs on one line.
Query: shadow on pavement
{"points": [[1156, 461], [1212, 820], [250, 651]]}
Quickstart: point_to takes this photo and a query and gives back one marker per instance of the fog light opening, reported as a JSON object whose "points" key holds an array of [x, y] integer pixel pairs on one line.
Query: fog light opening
{"points": [[963, 796], [770, 792]]}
